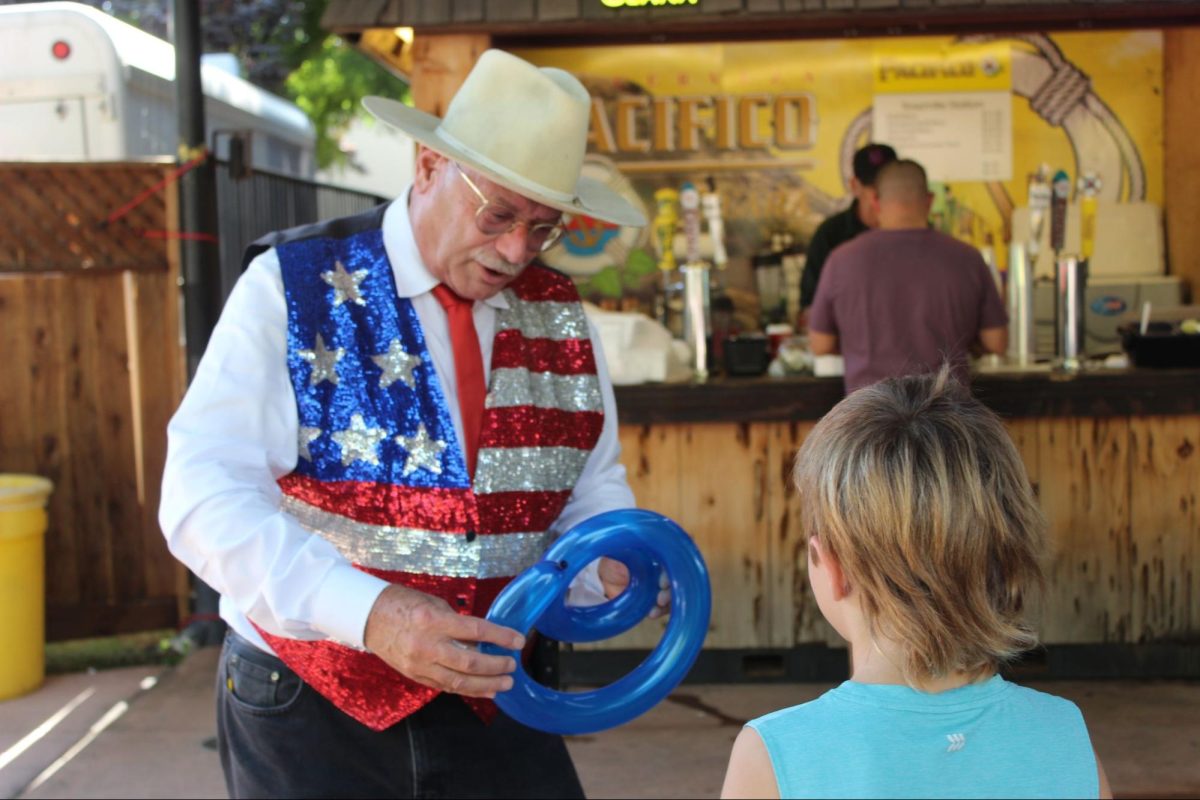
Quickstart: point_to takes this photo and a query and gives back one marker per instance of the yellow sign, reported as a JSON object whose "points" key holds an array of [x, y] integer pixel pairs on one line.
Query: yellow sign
{"points": [[772, 126], [950, 68], [636, 3], [640, 123]]}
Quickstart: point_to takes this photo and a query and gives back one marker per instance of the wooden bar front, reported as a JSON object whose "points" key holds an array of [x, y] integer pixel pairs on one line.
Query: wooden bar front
{"points": [[1113, 457]]}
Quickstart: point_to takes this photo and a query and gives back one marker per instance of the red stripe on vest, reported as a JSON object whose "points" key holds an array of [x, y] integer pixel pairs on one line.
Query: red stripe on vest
{"points": [[540, 283], [518, 512], [566, 357], [383, 504], [552, 428], [380, 504]]}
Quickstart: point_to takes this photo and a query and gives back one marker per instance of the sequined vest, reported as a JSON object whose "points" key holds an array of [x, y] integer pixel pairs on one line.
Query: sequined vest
{"points": [[381, 475]]}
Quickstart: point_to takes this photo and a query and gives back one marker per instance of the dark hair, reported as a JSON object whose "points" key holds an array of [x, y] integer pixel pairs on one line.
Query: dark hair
{"points": [[869, 159]]}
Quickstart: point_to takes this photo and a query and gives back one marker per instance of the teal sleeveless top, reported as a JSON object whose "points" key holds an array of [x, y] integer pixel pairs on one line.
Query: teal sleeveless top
{"points": [[990, 739]]}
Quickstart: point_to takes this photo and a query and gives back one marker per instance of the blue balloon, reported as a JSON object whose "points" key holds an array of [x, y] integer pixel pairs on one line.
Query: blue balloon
{"points": [[647, 543]]}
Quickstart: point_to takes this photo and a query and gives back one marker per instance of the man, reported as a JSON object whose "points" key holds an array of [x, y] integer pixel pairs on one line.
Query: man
{"points": [[904, 298], [334, 473], [845, 225]]}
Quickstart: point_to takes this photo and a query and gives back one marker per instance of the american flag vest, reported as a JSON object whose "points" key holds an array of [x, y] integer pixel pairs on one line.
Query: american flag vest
{"points": [[381, 475]]}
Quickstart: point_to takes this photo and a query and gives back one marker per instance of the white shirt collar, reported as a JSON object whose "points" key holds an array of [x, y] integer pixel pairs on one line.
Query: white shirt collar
{"points": [[411, 275]]}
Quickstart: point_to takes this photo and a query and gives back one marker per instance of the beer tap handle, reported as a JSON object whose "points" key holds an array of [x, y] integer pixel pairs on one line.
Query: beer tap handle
{"points": [[710, 201], [1089, 189], [665, 221], [689, 204], [1060, 194], [1039, 205]]}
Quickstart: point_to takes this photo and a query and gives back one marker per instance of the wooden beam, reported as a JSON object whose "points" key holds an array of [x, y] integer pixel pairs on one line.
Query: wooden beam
{"points": [[1181, 154], [441, 64]]}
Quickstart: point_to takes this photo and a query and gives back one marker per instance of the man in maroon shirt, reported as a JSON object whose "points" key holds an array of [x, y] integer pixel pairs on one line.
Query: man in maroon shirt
{"points": [[904, 298]]}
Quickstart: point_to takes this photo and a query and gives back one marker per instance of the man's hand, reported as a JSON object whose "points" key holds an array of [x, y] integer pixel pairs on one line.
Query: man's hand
{"points": [[614, 575], [421, 637]]}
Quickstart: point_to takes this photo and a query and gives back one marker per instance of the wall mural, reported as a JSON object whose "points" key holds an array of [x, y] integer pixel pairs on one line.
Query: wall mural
{"points": [[771, 127]]}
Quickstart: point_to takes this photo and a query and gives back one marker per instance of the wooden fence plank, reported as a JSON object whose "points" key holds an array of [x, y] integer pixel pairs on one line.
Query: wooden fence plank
{"points": [[16, 450], [156, 376], [95, 301], [47, 305]]}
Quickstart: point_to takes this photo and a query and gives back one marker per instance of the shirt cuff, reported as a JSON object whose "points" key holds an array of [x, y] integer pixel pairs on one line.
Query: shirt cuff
{"points": [[344, 602], [586, 588]]}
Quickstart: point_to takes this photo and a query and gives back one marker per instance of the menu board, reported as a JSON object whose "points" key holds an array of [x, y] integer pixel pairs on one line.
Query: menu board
{"points": [[961, 136], [950, 108]]}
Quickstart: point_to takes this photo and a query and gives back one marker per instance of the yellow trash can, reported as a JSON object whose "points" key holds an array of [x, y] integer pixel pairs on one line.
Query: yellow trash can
{"points": [[22, 583]]}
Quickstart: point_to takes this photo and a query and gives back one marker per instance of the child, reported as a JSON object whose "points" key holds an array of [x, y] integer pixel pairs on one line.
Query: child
{"points": [[923, 551]]}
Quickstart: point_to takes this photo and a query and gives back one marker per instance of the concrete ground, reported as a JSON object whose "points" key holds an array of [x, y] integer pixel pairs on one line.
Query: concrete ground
{"points": [[148, 732]]}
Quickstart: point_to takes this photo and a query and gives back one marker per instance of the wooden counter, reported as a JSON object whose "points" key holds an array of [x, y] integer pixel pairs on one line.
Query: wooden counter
{"points": [[1011, 394], [1113, 456]]}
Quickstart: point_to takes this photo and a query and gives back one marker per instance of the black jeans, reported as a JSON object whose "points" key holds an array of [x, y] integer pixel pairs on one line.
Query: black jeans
{"points": [[278, 737]]}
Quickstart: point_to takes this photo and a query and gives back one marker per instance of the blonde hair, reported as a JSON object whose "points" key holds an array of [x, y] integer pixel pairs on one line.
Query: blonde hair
{"points": [[918, 491]]}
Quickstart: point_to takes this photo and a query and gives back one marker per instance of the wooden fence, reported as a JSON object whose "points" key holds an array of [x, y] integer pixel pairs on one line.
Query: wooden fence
{"points": [[90, 340]]}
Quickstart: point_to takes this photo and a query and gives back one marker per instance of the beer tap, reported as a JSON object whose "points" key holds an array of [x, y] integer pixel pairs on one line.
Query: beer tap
{"points": [[710, 201], [1022, 258], [695, 282], [1089, 189], [1060, 190], [689, 205], [666, 219]]}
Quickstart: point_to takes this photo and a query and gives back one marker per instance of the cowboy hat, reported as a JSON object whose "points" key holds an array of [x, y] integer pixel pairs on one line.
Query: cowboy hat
{"points": [[523, 127]]}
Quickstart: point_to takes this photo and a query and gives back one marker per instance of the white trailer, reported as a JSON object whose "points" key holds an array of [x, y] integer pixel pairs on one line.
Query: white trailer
{"points": [[79, 85]]}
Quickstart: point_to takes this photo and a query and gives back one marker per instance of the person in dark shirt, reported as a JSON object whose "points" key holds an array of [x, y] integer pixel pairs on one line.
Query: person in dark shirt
{"points": [[845, 225], [903, 298]]}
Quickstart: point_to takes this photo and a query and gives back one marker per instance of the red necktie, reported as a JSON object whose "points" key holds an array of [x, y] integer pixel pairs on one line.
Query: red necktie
{"points": [[468, 367]]}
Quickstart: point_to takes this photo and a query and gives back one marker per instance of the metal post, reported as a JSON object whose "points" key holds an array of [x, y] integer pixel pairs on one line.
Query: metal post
{"points": [[198, 248], [1021, 345], [197, 190]]}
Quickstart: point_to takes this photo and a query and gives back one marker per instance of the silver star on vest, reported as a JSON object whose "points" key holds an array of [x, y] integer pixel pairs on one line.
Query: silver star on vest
{"points": [[423, 451], [397, 365], [359, 442], [345, 284], [306, 437], [323, 360]]}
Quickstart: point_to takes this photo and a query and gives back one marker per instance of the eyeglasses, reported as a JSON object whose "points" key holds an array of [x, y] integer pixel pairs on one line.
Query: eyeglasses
{"points": [[494, 219]]}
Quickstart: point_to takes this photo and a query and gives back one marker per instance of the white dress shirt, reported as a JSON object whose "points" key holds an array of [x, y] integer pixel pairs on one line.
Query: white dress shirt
{"points": [[236, 433]]}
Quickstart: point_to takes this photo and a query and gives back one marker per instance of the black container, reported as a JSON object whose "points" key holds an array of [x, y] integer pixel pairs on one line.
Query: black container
{"points": [[1162, 346], [746, 354]]}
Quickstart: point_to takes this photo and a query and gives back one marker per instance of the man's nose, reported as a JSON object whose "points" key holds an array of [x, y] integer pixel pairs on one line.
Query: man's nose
{"points": [[514, 245]]}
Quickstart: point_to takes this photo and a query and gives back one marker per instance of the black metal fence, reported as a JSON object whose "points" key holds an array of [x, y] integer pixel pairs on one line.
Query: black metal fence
{"points": [[259, 202]]}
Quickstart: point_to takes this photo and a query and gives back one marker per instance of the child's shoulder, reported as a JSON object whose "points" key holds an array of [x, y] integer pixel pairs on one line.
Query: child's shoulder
{"points": [[1035, 699], [815, 713]]}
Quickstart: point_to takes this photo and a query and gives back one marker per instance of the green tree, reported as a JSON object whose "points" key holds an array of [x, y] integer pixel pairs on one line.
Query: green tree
{"points": [[329, 87]]}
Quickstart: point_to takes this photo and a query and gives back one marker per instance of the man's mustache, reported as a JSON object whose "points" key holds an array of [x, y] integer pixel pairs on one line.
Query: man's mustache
{"points": [[494, 261]]}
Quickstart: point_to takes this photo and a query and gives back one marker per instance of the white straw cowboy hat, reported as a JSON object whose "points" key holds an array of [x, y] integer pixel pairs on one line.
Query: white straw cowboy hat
{"points": [[522, 126]]}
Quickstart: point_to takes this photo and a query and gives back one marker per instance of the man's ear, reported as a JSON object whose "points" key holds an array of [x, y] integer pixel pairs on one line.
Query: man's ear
{"points": [[427, 166], [871, 196]]}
